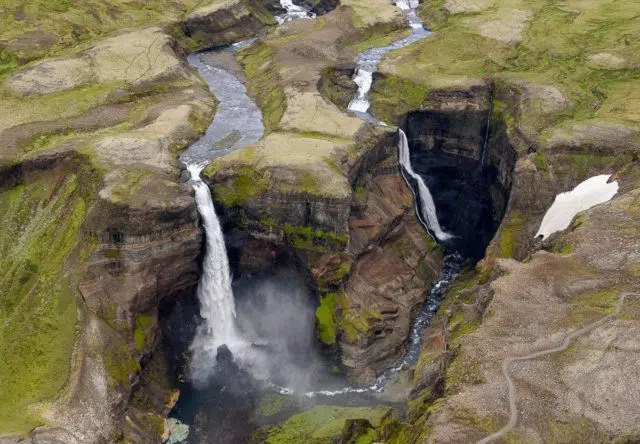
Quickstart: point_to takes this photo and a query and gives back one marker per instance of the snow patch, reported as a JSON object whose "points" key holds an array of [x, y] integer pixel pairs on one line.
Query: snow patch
{"points": [[589, 193]]}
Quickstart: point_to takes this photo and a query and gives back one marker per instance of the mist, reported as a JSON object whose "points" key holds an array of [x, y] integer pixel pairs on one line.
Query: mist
{"points": [[275, 321]]}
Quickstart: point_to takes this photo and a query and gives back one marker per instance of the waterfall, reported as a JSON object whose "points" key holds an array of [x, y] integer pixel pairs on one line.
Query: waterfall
{"points": [[360, 102], [217, 306], [427, 212], [293, 12]]}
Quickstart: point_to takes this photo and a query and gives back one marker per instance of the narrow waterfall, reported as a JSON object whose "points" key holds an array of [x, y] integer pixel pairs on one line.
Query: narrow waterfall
{"points": [[427, 210], [217, 305]]}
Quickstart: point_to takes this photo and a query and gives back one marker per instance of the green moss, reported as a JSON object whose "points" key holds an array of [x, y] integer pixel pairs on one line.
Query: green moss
{"points": [[8, 62], [343, 271], [460, 326], [541, 161], [140, 333], [486, 424], [264, 83], [462, 371], [322, 424], [308, 183], [634, 270], [585, 164], [272, 404], [355, 324], [317, 240], [325, 318], [247, 183], [119, 363], [41, 223], [393, 97], [578, 429], [510, 231], [631, 309], [590, 306], [563, 247]]}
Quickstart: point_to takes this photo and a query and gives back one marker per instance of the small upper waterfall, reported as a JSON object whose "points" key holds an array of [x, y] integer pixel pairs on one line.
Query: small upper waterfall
{"points": [[367, 63], [363, 79], [427, 208], [369, 60], [293, 12]]}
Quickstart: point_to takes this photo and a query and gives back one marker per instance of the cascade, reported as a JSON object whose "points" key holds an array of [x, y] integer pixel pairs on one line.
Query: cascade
{"points": [[368, 62], [427, 213], [363, 79]]}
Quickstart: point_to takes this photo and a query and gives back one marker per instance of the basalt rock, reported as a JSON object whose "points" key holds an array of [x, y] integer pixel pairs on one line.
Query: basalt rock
{"points": [[319, 7], [228, 22]]}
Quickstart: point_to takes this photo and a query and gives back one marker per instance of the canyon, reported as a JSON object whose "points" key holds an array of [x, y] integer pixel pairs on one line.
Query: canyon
{"points": [[496, 109]]}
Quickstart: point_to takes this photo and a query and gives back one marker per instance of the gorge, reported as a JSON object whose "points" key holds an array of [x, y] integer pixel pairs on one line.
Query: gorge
{"points": [[317, 221]]}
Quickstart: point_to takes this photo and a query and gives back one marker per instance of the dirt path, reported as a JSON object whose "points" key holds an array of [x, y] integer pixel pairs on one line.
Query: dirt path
{"points": [[506, 366]]}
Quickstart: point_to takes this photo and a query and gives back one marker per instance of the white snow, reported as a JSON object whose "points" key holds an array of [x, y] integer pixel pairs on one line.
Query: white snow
{"points": [[589, 193]]}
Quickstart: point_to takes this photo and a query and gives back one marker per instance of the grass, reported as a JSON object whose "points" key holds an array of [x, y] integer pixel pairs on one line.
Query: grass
{"points": [[264, 83], [392, 97], [322, 424], [69, 23], [41, 222], [557, 47]]}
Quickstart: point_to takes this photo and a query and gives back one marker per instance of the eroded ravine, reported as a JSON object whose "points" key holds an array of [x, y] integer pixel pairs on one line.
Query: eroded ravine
{"points": [[367, 64]]}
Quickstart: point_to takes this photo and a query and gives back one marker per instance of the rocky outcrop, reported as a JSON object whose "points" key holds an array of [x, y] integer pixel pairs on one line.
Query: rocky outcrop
{"points": [[223, 23], [319, 7], [457, 145], [396, 264]]}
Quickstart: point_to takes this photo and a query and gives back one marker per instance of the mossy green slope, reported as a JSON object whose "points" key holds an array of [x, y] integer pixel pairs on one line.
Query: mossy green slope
{"points": [[40, 229], [589, 50], [322, 424], [34, 28]]}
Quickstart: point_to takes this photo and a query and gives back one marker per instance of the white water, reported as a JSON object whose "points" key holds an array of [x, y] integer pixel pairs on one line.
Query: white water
{"points": [[427, 212], [363, 79], [293, 12], [217, 305], [368, 62], [587, 194]]}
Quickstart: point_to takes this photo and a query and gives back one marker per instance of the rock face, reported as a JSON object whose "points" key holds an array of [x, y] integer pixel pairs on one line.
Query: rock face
{"points": [[226, 22], [396, 264], [466, 166]]}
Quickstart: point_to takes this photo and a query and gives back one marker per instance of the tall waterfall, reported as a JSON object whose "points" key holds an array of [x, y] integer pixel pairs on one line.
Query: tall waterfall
{"points": [[217, 305], [427, 212]]}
